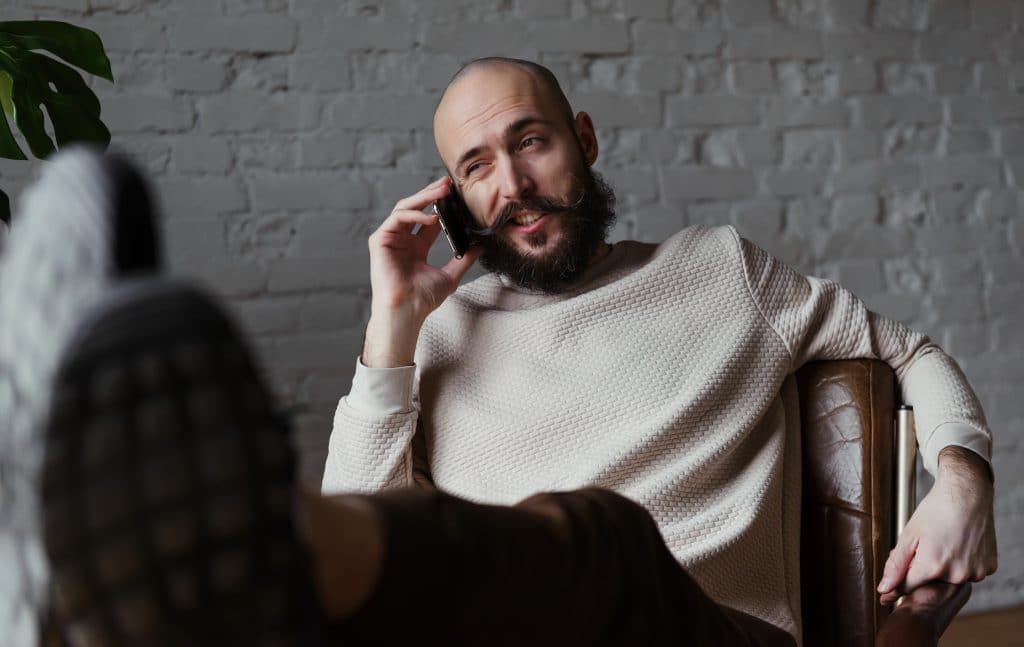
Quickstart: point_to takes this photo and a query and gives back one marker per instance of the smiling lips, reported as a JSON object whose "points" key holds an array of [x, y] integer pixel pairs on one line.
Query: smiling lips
{"points": [[528, 222]]}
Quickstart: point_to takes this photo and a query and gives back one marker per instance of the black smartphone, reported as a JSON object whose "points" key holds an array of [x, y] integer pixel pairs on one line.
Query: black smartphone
{"points": [[455, 221]]}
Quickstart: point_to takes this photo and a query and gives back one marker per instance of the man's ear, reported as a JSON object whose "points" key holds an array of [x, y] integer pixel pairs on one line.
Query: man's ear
{"points": [[585, 135]]}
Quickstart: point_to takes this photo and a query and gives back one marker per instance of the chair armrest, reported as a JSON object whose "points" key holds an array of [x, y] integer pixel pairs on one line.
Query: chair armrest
{"points": [[923, 616]]}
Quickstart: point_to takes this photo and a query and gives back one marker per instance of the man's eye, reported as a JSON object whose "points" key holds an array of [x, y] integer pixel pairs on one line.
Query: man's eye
{"points": [[472, 167], [529, 141]]}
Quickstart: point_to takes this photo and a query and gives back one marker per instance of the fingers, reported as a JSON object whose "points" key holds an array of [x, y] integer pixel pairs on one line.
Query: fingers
{"points": [[428, 233], [402, 221], [418, 201], [408, 212], [456, 268], [962, 570], [888, 598], [897, 566], [396, 232]]}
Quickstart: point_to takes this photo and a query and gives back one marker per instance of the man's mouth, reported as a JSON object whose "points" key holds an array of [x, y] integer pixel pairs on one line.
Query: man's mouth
{"points": [[528, 222]]}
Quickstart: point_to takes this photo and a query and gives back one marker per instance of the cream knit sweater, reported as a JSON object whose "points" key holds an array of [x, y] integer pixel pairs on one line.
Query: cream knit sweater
{"points": [[663, 376]]}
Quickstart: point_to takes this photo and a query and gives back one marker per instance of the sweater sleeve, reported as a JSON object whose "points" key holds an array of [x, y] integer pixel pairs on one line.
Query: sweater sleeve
{"points": [[818, 319], [371, 442]]}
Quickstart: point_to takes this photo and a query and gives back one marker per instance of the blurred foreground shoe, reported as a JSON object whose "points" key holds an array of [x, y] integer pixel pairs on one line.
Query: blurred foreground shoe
{"points": [[168, 484], [86, 223]]}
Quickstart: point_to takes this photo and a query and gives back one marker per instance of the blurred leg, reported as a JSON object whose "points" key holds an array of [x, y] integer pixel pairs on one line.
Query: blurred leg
{"points": [[168, 484], [82, 226], [576, 568]]}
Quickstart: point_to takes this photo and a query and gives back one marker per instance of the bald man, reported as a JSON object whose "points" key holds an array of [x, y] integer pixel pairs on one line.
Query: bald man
{"points": [[642, 388]]}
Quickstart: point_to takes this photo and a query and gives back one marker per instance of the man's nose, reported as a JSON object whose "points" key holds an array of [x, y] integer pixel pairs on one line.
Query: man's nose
{"points": [[514, 182]]}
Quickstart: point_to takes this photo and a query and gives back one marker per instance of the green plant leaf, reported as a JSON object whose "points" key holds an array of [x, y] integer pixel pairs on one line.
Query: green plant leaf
{"points": [[8, 146], [67, 82], [74, 109], [26, 95], [5, 94], [39, 81], [29, 117], [72, 124], [5, 208], [30, 81], [78, 46]]}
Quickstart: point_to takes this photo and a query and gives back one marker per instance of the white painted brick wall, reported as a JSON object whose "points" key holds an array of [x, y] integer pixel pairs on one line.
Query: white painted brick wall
{"points": [[879, 142]]}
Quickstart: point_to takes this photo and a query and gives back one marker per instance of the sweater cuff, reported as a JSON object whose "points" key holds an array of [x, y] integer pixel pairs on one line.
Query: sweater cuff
{"points": [[381, 391], [954, 433]]}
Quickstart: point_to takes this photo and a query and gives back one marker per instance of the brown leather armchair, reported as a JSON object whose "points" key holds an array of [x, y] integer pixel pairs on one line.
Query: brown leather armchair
{"points": [[847, 411]]}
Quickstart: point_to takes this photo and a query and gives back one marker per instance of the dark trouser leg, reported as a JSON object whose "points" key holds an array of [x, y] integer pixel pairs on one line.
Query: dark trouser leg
{"points": [[577, 568]]}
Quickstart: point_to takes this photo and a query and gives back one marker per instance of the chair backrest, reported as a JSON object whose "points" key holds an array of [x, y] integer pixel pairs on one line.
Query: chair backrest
{"points": [[846, 415]]}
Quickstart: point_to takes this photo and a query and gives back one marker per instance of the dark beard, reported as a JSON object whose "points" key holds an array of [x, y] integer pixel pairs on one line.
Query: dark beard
{"points": [[586, 222]]}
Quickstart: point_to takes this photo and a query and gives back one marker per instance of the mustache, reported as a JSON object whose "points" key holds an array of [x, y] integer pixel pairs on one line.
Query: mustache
{"points": [[537, 203]]}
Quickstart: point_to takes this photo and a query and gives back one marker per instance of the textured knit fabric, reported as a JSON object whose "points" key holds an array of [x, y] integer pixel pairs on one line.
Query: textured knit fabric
{"points": [[56, 264], [664, 375]]}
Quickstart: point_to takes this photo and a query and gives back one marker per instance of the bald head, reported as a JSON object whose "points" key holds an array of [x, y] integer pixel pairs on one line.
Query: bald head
{"points": [[544, 78], [484, 87]]}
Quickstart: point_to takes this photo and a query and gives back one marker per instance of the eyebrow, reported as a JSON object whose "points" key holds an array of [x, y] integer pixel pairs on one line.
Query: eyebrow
{"points": [[511, 129]]}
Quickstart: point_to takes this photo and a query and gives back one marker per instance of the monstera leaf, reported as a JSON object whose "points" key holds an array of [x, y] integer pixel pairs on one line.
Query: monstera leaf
{"points": [[31, 82]]}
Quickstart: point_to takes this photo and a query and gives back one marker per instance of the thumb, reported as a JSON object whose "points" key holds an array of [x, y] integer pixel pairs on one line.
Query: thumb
{"points": [[456, 268], [898, 564]]}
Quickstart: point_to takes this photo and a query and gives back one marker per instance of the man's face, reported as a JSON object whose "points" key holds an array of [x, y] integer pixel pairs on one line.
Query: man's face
{"points": [[522, 168]]}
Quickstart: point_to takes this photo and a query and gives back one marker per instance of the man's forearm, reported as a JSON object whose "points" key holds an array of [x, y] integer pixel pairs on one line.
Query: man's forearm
{"points": [[962, 463], [390, 341]]}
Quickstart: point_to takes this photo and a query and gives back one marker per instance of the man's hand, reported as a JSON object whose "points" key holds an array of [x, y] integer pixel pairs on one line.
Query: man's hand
{"points": [[951, 536], [405, 287]]}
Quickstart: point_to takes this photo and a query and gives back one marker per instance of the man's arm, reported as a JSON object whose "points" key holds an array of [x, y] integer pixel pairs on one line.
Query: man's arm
{"points": [[371, 445], [378, 440], [951, 535]]}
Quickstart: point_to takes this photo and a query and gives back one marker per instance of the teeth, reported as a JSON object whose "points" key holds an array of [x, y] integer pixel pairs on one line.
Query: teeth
{"points": [[527, 220]]}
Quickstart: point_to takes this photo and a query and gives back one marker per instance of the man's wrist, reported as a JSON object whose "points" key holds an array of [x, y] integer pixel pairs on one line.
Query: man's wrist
{"points": [[390, 341], [959, 462]]}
